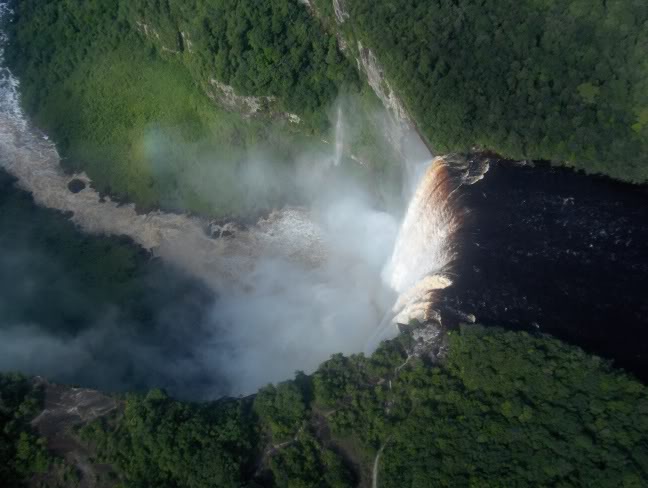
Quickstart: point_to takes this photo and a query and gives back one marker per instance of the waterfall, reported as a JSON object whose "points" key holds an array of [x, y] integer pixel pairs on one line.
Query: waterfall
{"points": [[424, 248], [294, 288], [339, 136]]}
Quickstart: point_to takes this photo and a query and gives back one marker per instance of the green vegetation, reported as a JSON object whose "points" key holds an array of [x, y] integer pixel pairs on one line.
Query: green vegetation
{"points": [[281, 408], [127, 90], [22, 453], [161, 442], [504, 409], [306, 463], [132, 92], [564, 81], [512, 410]]}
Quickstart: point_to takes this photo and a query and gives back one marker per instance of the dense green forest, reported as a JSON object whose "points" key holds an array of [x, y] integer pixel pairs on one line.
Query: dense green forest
{"points": [[503, 409], [132, 91], [556, 80], [22, 452], [129, 91]]}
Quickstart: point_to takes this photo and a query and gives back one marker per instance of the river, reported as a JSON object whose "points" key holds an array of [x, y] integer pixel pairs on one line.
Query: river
{"points": [[550, 250]]}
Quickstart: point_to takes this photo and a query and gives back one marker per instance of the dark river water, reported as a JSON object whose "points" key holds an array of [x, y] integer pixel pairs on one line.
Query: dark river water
{"points": [[550, 250]]}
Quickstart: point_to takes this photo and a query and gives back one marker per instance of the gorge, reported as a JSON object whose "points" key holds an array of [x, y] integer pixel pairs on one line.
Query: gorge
{"points": [[458, 201], [272, 247]]}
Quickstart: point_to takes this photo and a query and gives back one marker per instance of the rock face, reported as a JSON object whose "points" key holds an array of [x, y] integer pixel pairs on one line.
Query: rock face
{"points": [[222, 94], [429, 341], [340, 11], [225, 96], [400, 131], [248, 106], [147, 31], [65, 407], [76, 185], [368, 64]]}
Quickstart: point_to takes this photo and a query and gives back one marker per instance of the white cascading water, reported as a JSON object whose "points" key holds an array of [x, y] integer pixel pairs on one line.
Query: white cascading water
{"points": [[424, 246], [339, 137], [424, 249]]}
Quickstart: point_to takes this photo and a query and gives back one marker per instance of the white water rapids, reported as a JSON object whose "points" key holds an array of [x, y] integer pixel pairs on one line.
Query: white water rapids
{"points": [[179, 239]]}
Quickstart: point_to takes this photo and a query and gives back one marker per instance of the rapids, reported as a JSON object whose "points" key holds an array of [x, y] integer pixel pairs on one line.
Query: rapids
{"points": [[180, 239]]}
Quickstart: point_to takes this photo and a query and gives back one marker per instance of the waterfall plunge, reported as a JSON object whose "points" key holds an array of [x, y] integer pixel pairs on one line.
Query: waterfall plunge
{"points": [[425, 245]]}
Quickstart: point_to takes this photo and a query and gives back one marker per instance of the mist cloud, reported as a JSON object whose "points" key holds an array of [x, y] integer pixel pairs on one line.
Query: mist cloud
{"points": [[284, 311]]}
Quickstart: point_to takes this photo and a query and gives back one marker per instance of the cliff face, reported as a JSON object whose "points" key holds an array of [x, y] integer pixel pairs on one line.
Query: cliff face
{"points": [[400, 129], [223, 95], [511, 82]]}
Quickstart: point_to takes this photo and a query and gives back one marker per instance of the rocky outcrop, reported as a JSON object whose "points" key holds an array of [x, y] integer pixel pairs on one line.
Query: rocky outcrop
{"points": [[153, 35], [429, 341], [369, 65], [186, 42], [248, 106], [222, 94], [148, 31], [65, 409], [467, 170], [400, 130], [227, 98], [341, 13]]}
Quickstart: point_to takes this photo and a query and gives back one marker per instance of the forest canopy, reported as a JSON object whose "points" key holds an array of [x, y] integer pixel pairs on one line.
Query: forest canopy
{"points": [[530, 79], [503, 409], [137, 94]]}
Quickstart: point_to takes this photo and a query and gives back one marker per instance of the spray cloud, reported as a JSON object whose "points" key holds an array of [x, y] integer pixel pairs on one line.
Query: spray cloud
{"points": [[300, 285]]}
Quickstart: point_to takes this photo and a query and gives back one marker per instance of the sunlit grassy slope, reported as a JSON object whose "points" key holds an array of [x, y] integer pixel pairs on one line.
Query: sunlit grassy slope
{"points": [[129, 104]]}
